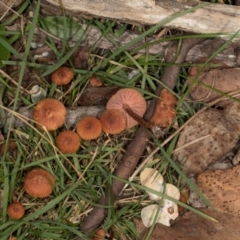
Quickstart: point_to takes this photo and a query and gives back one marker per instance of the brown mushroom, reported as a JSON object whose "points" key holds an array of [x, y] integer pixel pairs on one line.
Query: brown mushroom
{"points": [[62, 76], [12, 238], [99, 234], [113, 121], [128, 100], [89, 128], [95, 81], [68, 141], [15, 210], [39, 183], [49, 113]]}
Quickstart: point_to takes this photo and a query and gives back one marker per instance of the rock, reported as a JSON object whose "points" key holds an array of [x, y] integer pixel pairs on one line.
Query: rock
{"points": [[219, 132], [222, 189], [223, 80], [207, 82]]}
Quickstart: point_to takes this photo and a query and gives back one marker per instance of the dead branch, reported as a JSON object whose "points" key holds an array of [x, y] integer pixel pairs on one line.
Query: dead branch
{"points": [[138, 144]]}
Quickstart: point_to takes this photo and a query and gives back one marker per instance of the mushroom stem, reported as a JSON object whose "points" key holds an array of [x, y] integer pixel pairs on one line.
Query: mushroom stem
{"points": [[136, 117]]}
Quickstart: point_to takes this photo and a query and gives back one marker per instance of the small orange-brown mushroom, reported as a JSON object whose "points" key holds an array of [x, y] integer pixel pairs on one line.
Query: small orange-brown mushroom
{"points": [[68, 141], [131, 99], [39, 183], [12, 238], [99, 234], [49, 113], [62, 76], [15, 210], [95, 81], [89, 128], [113, 121]]}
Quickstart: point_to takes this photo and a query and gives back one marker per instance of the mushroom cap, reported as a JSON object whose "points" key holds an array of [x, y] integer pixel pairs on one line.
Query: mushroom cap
{"points": [[113, 121], [148, 215], [15, 210], [168, 211], [89, 127], [131, 98], [98, 234], [172, 191], [39, 183], [68, 141], [151, 178], [62, 76], [95, 81], [49, 113]]}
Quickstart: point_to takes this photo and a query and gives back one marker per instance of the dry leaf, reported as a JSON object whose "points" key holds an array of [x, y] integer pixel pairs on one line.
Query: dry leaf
{"points": [[221, 79]]}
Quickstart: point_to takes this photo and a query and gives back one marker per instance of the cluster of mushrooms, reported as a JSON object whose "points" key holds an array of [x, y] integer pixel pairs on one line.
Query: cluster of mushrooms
{"points": [[124, 110], [49, 115]]}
